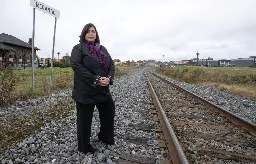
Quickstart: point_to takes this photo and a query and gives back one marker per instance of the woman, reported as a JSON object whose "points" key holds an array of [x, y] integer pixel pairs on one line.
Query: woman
{"points": [[94, 71]]}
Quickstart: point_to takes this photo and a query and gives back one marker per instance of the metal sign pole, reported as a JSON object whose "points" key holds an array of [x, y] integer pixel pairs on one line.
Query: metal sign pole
{"points": [[53, 51], [33, 55]]}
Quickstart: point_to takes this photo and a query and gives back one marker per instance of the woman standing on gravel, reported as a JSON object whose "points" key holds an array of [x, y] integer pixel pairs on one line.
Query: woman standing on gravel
{"points": [[94, 71]]}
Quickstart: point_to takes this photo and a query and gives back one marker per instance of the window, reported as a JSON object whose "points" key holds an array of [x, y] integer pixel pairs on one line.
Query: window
{"points": [[11, 55]]}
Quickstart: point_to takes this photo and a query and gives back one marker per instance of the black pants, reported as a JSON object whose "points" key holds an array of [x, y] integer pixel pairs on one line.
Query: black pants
{"points": [[84, 121]]}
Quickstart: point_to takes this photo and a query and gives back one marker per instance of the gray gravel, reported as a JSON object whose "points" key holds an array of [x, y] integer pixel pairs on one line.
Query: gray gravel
{"points": [[56, 141], [25, 108], [195, 127], [240, 106]]}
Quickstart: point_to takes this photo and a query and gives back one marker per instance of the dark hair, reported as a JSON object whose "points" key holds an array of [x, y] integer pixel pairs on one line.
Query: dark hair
{"points": [[85, 30]]}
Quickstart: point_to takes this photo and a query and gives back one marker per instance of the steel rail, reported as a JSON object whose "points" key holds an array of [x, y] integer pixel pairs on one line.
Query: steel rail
{"points": [[224, 112], [176, 153]]}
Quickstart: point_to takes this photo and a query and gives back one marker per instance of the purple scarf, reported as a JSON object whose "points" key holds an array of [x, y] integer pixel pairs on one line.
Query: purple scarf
{"points": [[96, 53]]}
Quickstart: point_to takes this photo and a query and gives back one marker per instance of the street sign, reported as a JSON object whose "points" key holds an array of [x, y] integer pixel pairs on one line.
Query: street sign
{"points": [[45, 8], [53, 12]]}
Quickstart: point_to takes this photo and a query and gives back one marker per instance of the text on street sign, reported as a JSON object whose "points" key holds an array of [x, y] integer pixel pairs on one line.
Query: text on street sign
{"points": [[45, 8]]}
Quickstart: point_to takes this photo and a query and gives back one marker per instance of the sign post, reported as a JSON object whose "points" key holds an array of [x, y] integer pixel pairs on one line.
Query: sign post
{"points": [[33, 56], [48, 10], [197, 54], [53, 52]]}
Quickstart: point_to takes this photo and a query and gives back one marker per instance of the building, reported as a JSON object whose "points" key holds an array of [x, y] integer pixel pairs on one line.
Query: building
{"points": [[117, 62], [224, 62], [66, 59], [212, 63], [15, 52], [243, 62], [240, 62], [181, 63], [209, 63], [3, 51]]}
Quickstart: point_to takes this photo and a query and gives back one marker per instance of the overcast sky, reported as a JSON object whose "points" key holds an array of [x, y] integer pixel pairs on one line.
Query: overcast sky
{"points": [[141, 29]]}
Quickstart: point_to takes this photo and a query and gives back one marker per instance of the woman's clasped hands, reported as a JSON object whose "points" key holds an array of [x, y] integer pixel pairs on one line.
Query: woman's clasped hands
{"points": [[104, 81]]}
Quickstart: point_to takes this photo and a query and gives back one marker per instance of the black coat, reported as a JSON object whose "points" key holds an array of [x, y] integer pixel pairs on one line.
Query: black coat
{"points": [[86, 72]]}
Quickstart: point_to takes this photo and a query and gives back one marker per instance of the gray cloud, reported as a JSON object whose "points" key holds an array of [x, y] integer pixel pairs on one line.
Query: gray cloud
{"points": [[138, 30]]}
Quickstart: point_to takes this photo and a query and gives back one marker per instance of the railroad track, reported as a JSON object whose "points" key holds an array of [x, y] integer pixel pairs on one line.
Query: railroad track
{"points": [[197, 131]]}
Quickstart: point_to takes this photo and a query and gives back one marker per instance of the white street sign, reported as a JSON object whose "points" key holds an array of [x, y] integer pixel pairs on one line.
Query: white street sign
{"points": [[45, 8], [53, 12]]}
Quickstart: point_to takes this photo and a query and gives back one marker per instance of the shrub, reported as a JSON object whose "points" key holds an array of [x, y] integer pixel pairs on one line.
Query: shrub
{"points": [[187, 77], [7, 85]]}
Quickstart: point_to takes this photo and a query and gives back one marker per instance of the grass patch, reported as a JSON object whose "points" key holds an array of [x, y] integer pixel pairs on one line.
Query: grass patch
{"points": [[62, 79], [16, 84], [241, 81], [121, 71]]}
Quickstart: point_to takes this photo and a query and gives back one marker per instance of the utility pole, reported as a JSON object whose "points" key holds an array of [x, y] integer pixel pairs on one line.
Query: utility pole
{"points": [[255, 62], [197, 54], [58, 56]]}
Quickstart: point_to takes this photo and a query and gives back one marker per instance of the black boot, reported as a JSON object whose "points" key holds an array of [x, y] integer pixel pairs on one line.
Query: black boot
{"points": [[91, 149], [99, 137], [104, 140]]}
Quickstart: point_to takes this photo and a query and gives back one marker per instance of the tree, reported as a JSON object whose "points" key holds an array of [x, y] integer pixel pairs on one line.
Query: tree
{"points": [[128, 63], [37, 57], [47, 60]]}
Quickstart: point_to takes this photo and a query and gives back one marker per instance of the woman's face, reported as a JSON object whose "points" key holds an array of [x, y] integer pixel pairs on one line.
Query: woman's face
{"points": [[91, 35]]}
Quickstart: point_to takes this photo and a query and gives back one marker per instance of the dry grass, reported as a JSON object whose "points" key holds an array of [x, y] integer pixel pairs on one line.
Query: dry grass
{"points": [[17, 83], [240, 81], [243, 90], [120, 71], [7, 86], [62, 79]]}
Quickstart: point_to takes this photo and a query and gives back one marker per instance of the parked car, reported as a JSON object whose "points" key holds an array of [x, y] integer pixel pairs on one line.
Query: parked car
{"points": [[41, 65]]}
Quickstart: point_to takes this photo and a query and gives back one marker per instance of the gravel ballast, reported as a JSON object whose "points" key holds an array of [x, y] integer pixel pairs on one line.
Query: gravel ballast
{"points": [[240, 106], [56, 141], [201, 131]]}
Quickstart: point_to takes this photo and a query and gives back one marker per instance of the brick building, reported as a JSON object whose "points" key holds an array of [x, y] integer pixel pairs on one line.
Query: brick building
{"points": [[15, 52]]}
